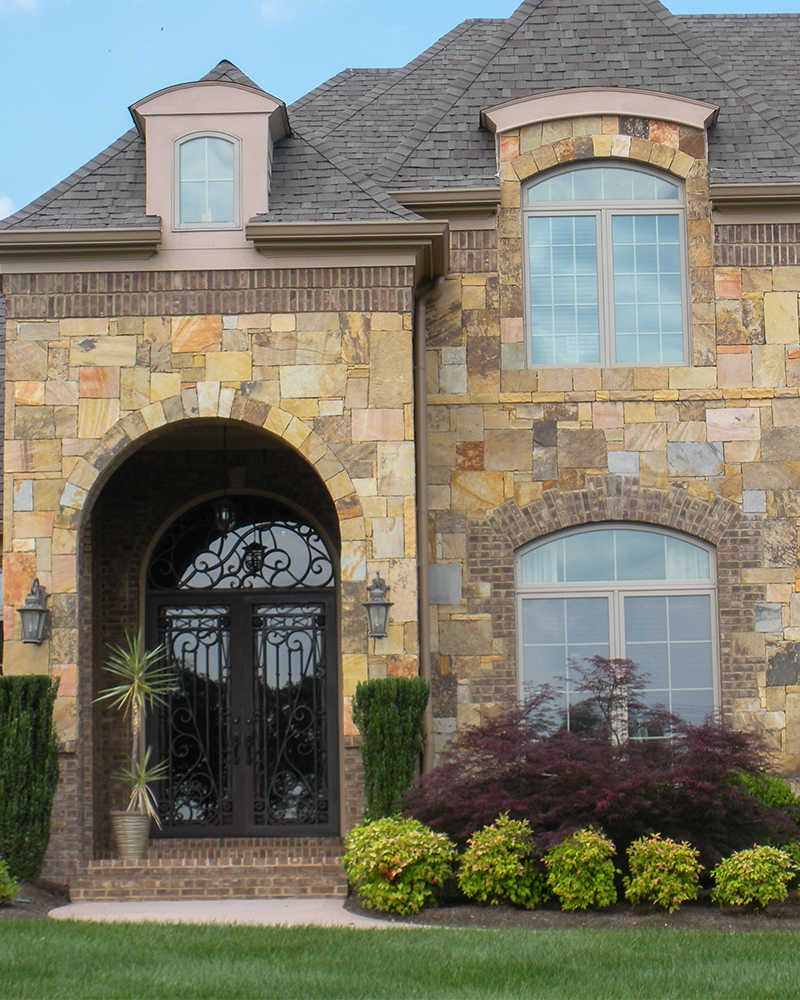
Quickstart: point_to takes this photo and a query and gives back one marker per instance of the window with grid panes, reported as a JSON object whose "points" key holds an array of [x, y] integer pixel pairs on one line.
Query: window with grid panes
{"points": [[621, 592], [605, 252], [206, 189]]}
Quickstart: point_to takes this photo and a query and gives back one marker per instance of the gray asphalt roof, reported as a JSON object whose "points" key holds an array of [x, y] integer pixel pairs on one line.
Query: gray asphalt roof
{"points": [[370, 130], [555, 44], [398, 104], [761, 48], [227, 72], [312, 182], [107, 191]]}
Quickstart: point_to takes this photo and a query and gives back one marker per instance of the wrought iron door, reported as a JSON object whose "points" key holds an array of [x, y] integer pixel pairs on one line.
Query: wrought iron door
{"points": [[249, 729]]}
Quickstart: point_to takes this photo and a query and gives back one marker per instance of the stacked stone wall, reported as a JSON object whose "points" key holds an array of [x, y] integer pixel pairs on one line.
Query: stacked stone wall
{"points": [[720, 433], [317, 360]]}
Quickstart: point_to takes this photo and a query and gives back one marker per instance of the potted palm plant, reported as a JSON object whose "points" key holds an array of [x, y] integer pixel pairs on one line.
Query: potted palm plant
{"points": [[144, 682]]}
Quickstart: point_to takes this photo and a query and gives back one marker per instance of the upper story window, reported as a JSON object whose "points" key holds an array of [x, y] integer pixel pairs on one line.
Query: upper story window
{"points": [[605, 252], [207, 182], [620, 591]]}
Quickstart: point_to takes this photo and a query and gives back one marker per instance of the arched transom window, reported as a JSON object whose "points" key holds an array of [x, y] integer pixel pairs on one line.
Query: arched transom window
{"points": [[605, 263], [206, 191], [620, 591]]}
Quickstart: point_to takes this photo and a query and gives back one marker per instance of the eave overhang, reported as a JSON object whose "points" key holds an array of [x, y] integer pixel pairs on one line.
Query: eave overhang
{"points": [[427, 241], [54, 244], [450, 204], [755, 203], [755, 195], [581, 102]]}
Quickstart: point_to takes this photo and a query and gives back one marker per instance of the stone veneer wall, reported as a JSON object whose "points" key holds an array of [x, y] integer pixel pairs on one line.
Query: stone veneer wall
{"points": [[514, 453], [99, 364]]}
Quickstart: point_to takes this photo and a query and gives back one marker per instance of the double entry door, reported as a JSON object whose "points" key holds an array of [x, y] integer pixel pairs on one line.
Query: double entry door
{"points": [[248, 732]]}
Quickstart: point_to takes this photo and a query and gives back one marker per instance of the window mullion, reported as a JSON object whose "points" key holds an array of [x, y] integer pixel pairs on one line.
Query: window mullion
{"points": [[605, 268], [616, 630]]}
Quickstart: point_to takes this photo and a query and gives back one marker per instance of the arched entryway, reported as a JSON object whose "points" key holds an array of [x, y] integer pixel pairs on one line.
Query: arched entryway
{"points": [[177, 473], [241, 593]]}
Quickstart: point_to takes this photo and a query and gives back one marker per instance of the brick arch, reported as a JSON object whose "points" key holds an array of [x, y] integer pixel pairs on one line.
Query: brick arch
{"points": [[617, 498], [493, 541], [92, 470]]}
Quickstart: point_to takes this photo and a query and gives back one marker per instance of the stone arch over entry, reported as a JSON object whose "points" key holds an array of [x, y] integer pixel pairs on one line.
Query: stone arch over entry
{"points": [[493, 541], [208, 400]]}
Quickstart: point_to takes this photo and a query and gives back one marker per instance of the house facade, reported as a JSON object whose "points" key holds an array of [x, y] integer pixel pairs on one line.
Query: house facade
{"points": [[513, 328]]}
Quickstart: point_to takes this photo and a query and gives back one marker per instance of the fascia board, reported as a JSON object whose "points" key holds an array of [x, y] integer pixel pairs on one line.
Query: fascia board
{"points": [[429, 241], [47, 244], [450, 204], [755, 195]]}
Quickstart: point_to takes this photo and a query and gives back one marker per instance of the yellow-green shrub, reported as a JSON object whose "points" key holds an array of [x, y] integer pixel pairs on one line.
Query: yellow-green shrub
{"points": [[8, 886], [759, 875], [394, 863], [662, 872], [500, 864], [581, 872]]}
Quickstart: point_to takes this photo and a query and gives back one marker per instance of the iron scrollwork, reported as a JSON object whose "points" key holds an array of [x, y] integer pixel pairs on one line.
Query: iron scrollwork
{"points": [[245, 733], [258, 553], [195, 722], [290, 715]]}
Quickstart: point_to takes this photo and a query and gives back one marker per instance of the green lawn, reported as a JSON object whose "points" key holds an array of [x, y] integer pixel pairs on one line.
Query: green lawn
{"points": [[49, 960]]}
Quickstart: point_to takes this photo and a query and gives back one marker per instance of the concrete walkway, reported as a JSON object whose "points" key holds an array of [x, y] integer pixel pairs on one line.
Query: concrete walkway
{"points": [[266, 912]]}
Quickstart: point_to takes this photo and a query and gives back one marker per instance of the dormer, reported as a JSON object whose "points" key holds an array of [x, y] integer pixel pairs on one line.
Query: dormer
{"points": [[208, 159]]}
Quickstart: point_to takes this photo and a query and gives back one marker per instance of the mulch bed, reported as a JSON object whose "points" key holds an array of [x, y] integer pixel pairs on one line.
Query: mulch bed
{"points": [[34, 901], [702, 914]]}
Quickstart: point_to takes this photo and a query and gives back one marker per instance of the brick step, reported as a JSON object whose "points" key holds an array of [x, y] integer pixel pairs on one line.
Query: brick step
{"points": [[284, 850], [228, 868], [161, 879]]}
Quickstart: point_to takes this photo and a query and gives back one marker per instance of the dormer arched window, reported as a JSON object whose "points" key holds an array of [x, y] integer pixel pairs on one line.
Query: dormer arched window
{"points": [[207, 188]]}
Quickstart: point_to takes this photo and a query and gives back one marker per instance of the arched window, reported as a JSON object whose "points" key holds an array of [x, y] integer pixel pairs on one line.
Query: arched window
{"points": [[605, 251], [620, 591], [206, 194]]}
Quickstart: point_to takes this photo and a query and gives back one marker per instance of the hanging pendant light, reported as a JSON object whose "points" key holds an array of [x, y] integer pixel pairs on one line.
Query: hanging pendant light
{"points": [[224, 516], [224, 511]]}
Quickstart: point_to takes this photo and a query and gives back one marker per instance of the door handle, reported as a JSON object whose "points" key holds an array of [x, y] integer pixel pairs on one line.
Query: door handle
{"points": [[237, 739], [248, 745]]}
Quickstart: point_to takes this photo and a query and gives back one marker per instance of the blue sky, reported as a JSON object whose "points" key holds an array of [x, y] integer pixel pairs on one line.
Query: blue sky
{"points": [[70, 68]]}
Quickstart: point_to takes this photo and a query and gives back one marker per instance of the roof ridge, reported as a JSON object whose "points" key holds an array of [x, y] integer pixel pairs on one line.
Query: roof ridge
{"points": [[71, 181], [332, 83], [440, 107], [238, 77], [361, 180], [402, 72], [738, 84], [744, 17]]}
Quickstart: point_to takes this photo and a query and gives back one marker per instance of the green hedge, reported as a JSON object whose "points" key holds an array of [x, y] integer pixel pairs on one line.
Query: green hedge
{"points": [[28, 772], [388, 712]]}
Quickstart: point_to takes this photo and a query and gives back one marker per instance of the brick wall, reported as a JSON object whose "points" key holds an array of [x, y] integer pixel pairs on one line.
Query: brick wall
{"points": [[182, 293]]}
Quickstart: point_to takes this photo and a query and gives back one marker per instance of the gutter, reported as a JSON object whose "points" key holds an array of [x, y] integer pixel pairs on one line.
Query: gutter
{"points": [[426, 240], [53, 244], [427, 291]]}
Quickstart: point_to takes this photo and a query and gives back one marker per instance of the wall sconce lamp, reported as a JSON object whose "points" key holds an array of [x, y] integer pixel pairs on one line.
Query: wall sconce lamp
{"points": [[224, 516], [377, 608], [34, 614]]}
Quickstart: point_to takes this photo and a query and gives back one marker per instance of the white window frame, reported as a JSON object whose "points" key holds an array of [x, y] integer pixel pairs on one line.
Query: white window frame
{"points": [[236, 142], [616, 592], [603, 212]]}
